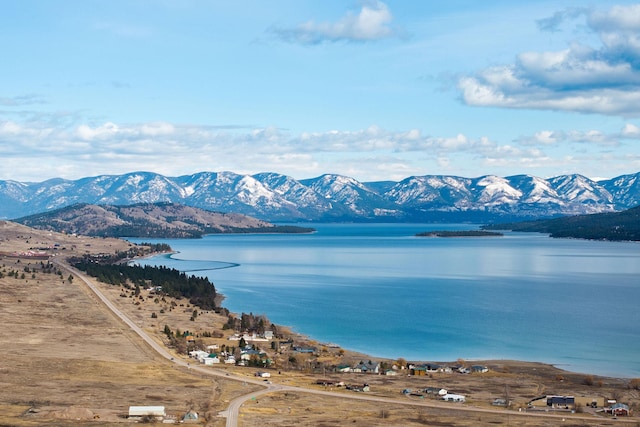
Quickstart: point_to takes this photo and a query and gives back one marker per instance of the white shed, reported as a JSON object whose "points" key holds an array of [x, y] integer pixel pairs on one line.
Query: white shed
{"points": [[143, 411]]}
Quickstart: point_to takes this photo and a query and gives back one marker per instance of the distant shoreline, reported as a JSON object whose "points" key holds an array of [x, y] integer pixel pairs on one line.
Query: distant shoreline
{"points": [[461, 233]]}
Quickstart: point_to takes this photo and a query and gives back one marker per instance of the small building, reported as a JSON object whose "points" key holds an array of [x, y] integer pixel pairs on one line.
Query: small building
{"points": [[190, 417], [561, 402], [367, 367], [479, 369], [620, 409], [211, 359], [139, 412], [453, 397]]}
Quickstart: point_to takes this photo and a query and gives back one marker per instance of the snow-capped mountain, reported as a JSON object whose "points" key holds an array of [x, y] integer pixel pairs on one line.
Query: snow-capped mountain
{"points": [[275, 197]]}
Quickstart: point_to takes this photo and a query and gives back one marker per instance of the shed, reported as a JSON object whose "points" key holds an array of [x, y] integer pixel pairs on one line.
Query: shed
{"points": [[190, 417], [144, 411]]}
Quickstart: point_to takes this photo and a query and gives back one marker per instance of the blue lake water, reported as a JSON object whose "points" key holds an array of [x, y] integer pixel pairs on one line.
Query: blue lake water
{"points": [[378, 289]]}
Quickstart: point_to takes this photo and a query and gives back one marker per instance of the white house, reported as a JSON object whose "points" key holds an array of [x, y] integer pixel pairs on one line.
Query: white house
{"points": [[198, 354], [211, 359], [453, 397]]}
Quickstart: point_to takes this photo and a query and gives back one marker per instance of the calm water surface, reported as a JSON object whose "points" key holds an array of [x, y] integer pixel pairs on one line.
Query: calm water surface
{"points": [[377, 289]]}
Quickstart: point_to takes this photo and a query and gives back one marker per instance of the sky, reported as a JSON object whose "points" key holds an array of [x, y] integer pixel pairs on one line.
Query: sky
{"points": [[374, 90]]}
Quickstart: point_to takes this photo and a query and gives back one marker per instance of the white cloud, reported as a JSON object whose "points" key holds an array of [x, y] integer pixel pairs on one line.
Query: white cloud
{"points": [[631, 131], [604, 79], [594, 137], [373, 153], [371, 22]]}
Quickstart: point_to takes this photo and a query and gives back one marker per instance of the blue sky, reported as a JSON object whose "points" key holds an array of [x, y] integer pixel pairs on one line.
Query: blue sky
{"points": [[369, 89]]}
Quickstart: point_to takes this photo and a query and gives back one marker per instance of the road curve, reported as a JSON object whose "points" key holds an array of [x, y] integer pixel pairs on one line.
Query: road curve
{"points": [[231, 413]]}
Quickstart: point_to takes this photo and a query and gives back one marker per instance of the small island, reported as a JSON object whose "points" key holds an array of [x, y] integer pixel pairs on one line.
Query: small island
{"points": [[460, 233]]}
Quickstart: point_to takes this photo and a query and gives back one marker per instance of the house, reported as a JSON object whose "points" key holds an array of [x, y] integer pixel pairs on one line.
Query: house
{"points": [[211, 359], [262, 374], [425, 368], [620, 409], [561, 402], [479, 369], [139, 412], [453, 397], [246, 354], [417, 370], [367, 367], [343, 368]]}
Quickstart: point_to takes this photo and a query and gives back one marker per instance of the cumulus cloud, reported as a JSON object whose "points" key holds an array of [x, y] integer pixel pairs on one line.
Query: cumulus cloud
{"points": [[603, 79], [371, 22]]}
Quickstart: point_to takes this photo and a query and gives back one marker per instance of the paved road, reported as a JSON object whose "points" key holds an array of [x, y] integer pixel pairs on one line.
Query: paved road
{"points": [[231, 413]]}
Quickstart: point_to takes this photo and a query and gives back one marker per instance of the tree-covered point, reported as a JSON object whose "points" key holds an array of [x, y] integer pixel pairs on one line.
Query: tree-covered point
{"points": [[276, 229], [156, 247], [460, 233], [169, 281], [623, 225]]}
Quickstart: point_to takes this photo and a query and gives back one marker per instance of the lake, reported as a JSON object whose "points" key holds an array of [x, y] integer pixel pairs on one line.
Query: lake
{"points": [[378, 289]]}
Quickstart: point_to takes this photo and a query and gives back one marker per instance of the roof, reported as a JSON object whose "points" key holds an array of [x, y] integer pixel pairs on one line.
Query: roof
{"points": [[620, 406], [146, 410]]}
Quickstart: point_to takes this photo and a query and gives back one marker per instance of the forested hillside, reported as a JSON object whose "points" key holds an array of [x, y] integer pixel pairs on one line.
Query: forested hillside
{"points": [[623, 225]]}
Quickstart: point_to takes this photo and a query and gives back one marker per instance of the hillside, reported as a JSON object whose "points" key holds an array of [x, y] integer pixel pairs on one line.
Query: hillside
{"points": [[623, 225], [155, 220]]}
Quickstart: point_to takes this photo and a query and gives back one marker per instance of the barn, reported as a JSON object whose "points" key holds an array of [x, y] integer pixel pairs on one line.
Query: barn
{"points": [[137, 412]]}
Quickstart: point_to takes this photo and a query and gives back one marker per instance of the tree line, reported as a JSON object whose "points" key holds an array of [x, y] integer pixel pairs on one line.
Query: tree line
{"points": [[168, 281]]}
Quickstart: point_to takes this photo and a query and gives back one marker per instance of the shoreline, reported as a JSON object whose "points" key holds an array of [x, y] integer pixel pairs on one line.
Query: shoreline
{"points": [[291, 330]]}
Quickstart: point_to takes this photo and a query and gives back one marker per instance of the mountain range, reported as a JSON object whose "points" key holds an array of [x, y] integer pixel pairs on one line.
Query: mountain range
{"points": [[278, 198]]}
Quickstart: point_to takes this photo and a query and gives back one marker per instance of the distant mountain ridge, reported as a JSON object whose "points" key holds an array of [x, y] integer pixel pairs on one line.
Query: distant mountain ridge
{"points": [[154, 220], [275, 197]]}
